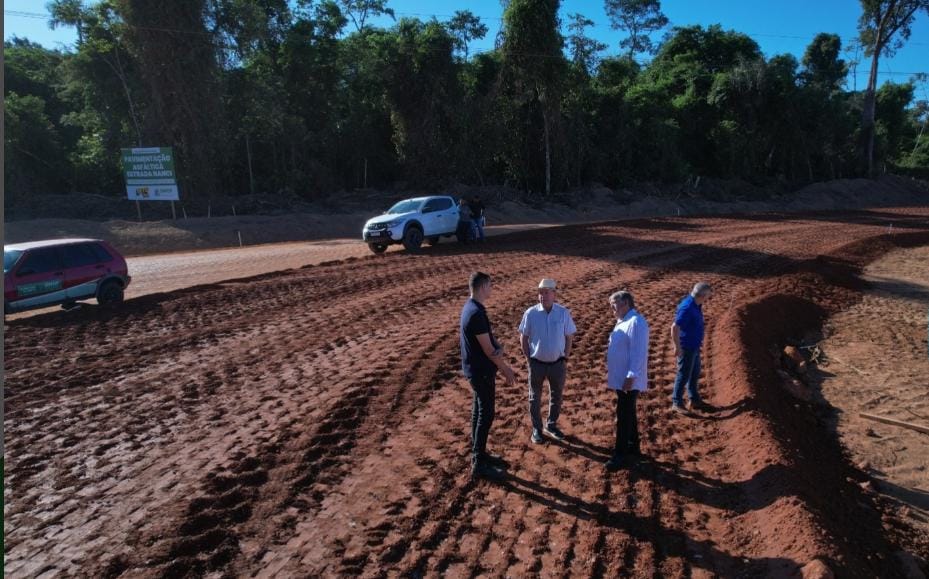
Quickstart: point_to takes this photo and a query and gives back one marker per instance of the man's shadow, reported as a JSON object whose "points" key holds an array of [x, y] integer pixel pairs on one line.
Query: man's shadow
{"points": [[587, 450]]}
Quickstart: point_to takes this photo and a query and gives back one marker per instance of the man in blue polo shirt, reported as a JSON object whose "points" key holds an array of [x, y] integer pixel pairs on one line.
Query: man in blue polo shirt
{"points": [[481, 357], [687, 336]]}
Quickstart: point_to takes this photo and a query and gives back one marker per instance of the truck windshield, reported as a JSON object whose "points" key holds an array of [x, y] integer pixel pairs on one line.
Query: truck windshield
{"points": [[404, 207], [9, 258]]}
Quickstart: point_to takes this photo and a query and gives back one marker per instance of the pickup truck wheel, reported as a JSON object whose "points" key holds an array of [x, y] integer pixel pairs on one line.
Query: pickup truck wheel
{"points": [[377, 247], [412, 238], [434, 240], [110, 294]]}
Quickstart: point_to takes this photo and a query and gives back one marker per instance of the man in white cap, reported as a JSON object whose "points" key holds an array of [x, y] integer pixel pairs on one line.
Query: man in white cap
{"points": [[546, 331]]}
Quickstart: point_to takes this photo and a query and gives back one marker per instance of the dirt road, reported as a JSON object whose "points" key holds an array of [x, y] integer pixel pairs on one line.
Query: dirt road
{"points": [[169, 272], [314, 422]]}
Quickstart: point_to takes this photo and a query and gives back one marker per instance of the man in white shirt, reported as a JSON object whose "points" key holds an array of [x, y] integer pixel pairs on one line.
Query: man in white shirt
{"points": [[545, 334], [627, 374]]}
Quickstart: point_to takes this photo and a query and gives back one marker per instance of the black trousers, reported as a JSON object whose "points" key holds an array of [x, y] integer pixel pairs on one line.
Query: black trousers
{"points": [[482, 414], [627, 423]]}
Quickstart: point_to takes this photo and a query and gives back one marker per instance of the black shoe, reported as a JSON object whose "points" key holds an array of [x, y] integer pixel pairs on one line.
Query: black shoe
{"points": [[486, 472], [554, 432], [537, 437], [699, 406], [615, 463], [494, 460]]}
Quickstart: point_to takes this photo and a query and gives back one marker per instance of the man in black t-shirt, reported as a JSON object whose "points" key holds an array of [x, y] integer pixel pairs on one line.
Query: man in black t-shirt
{"points": [[481, 357]]}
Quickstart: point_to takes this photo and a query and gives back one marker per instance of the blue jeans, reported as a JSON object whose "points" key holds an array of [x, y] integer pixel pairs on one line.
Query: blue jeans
{"points": [[688, 374], [479, 228]]}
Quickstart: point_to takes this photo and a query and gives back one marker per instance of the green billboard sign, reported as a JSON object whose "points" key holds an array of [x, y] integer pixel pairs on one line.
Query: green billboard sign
{"points": [[149, 173]]}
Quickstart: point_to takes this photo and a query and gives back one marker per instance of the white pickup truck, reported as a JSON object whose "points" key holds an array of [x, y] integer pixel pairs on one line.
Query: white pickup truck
{"points": [[411, 221]]}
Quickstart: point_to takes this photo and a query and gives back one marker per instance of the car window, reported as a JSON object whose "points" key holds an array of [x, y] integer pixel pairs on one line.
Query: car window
{"points": [[80, 255], [40, 261], [9, 258], [404, 207], [443, 203], [102, 254], [430, 206]]}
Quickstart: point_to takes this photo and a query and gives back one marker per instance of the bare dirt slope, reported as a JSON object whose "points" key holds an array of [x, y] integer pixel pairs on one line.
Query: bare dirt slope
{"points": [[878, 363], [315, 423]]}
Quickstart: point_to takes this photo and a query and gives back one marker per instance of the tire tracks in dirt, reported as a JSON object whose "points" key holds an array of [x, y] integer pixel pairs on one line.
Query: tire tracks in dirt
{"points": [[276, 436]]}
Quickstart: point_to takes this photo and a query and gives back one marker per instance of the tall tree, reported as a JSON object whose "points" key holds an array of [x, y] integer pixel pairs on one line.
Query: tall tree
{"points": [[638, 18], [35, 143], [359, 11], [582, 48], [177, 58], [579, 96], [822, 66], [686, 68], [67, 13], [894, 121], [465, 27], [533, 65], [884, 27], [421, 88], [824, 106], [32, 148]]}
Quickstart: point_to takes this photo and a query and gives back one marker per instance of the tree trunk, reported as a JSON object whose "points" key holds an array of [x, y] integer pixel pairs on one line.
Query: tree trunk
{"points": [[580, 156], [548, 155], [251, 177], [867, 113], [121, 75]]}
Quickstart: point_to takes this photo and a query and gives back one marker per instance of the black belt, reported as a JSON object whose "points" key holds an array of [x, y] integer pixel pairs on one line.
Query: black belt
{"points": [[548, 363]]}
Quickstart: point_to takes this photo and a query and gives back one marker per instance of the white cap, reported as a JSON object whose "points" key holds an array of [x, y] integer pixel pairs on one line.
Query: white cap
{"points": [[547, 284]]}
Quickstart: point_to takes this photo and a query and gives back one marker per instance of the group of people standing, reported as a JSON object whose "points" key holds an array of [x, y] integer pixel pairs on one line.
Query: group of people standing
{"points": [[471, 219], [546, 337]]}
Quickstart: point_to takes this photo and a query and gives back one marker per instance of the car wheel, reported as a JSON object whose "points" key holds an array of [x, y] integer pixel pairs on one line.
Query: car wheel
{"points": [[377, 247], [413, 238], [434, 240], [110, 294]]}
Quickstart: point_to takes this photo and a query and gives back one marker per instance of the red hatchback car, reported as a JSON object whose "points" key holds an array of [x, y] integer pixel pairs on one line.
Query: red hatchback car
{"points": [[39, 274]]}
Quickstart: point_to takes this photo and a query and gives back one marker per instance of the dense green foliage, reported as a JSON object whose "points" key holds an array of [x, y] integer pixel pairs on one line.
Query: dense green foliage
{"points": [[309, 98]]}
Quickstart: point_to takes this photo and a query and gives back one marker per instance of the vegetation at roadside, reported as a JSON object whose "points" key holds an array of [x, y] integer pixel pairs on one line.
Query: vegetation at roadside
{"points": [[309, 97]]}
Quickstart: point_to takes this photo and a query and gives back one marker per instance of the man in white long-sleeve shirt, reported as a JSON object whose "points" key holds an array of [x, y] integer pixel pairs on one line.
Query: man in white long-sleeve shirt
{"points": [[627, 373]]}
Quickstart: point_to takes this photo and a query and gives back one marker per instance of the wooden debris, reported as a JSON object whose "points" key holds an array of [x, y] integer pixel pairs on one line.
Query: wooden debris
{"points": [[891, 421]]}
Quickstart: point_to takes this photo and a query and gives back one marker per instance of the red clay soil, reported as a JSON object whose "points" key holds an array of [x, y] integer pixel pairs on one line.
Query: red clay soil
{"points": [[315, 422]]}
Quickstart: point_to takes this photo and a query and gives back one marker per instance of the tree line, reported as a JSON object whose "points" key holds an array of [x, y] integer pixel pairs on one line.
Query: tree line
{"points": [[308, 98]]}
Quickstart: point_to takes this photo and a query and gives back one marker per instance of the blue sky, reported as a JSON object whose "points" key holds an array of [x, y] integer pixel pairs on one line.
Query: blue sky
{"points": [[779, 26]]}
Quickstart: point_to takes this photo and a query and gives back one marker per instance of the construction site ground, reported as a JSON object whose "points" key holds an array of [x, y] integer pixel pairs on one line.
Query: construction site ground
{"points": [[315, 422]]}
